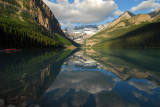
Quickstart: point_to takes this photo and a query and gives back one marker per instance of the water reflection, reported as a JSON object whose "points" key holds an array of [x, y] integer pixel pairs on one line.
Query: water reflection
{"points": [[25, 75], [109, 79]]}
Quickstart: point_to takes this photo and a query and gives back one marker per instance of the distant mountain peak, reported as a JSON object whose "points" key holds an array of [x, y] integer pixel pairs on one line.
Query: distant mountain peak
{"points": [[126, 13], [155, 13], [125, 16]]}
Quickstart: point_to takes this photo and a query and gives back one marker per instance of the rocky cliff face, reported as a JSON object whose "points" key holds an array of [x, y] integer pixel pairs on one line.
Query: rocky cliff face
{"points": [[125, 16], [37, 19], [43, 15], [39, 11], [138, 19]]}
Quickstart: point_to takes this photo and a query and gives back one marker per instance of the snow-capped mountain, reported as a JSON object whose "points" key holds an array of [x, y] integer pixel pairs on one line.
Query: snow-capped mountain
{"points": [[80, 33]]}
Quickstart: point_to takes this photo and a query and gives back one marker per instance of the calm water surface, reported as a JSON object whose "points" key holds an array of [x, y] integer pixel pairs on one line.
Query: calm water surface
{"points": [[88, 78]]}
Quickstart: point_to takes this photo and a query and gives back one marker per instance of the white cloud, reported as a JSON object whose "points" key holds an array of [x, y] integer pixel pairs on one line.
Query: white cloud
{"points": [[84, 84], [67, 24], [146, 86], [151, 10], [68, 80], [83, 11], [118, 13], [149, 4]]}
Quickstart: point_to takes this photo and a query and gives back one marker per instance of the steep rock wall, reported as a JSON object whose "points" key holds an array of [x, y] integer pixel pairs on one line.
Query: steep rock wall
{"points": [[44, 16]]}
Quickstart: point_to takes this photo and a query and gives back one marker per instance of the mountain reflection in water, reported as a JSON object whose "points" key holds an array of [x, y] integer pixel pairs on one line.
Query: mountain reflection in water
{"points": [[114, 78], [25, 75]]}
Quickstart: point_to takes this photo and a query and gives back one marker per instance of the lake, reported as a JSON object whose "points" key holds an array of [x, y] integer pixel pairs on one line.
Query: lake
{"points": [[80, 78]]}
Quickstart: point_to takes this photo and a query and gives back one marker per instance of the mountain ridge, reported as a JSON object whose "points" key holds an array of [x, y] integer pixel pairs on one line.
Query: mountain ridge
{"points": [[123, 27], [80, 33], [126, 15], [38, 25], [40, 11]]}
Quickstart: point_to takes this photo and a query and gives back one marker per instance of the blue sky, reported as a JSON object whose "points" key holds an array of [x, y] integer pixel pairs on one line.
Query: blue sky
{"points": [[80, 12], [128, 4]]}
